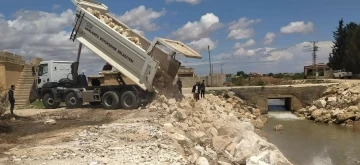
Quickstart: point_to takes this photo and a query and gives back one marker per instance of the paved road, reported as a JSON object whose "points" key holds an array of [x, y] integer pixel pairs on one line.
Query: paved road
{"points": [[188, 90], [344, 80]]}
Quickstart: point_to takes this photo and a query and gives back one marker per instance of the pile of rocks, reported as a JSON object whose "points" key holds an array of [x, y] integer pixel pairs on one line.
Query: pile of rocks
{"points": [[125, 142], [340, 104], [217, 130]]}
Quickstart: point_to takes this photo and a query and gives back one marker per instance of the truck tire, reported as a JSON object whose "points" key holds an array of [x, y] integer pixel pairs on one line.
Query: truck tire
{"points": [[110, 100], [72, 101], [49, 101], [129, 100]]}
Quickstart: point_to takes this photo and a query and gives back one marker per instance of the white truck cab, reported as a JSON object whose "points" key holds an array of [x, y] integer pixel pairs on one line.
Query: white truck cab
{"points": [[53, 71]]}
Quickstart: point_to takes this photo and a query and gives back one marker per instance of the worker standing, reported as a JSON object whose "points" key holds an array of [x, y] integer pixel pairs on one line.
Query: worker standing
{"points": [[12, 99], [179, 84], [197, 91], [202, 89]]}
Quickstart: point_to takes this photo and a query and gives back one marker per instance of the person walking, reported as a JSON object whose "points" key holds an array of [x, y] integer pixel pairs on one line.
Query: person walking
{"points": [[179, 84], [202, 89], [12, 99], [193, 91]]}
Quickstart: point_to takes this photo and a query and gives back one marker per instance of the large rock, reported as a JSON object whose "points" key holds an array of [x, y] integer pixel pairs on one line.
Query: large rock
{"points": [[345, 85], [219, 143], [50, 122], [317, 113], [320, 103], [181, 139], [180, 114], [202, 161], [278, 127], [268, 158], [345, 116], [235, 129], [252, 144]]}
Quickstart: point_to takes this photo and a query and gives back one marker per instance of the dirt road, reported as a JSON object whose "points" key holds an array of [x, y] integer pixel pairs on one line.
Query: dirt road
{"points": [[84, 136]]}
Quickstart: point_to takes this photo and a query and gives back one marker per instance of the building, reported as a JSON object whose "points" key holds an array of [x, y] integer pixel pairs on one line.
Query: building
{"points": [[11, 66], [324, 71]]}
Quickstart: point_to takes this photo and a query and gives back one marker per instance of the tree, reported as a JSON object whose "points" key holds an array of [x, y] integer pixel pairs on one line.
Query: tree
{"points": [[271, 74], [338, 50], [242, 74], [351, 59]]}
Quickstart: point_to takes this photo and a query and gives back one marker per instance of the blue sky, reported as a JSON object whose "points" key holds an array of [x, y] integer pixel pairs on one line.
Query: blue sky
{"points": [[315, 21]]}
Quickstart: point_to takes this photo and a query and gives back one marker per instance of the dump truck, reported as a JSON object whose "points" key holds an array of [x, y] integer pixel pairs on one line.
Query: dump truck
{"points": [[148, 64]]}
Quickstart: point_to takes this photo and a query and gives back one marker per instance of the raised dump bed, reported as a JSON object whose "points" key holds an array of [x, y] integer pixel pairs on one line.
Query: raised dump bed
{"points": [[133, 55]]}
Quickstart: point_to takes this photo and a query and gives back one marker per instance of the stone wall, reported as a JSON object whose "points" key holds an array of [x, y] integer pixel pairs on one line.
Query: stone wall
{"points": [[301, 96], [213, 81]]}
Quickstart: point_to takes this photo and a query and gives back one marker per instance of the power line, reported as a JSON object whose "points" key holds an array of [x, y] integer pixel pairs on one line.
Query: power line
{"points": [[314, 48]]}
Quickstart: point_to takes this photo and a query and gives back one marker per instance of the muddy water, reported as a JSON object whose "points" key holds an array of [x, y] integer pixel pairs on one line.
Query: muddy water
{"points": [[304, 142]]}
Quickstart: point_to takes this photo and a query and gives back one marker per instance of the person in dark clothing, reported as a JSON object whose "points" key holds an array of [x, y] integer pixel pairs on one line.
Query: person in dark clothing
{"points": [[33, 70], [196, 91], [12, 99], [193, 91], [179, 84], [202, 89]]}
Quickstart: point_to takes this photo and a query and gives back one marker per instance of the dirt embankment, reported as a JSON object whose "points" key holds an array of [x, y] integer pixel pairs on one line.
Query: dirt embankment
{"points": [[215, 130]]}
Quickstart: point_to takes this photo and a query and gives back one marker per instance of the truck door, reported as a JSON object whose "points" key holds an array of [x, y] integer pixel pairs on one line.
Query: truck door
{"points": [[43, 75]]}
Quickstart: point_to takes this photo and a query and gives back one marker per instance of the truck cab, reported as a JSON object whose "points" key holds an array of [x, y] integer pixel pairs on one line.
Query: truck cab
{"points": [[53, 71]]}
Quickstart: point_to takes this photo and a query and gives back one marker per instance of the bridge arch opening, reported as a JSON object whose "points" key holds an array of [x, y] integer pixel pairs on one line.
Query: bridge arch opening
{"points": [[279, 104]]}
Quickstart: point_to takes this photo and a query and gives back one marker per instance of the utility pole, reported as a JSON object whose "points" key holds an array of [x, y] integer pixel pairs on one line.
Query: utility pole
{"points": [[315, 48], [221, 67], [210, 66], [209, 60]]}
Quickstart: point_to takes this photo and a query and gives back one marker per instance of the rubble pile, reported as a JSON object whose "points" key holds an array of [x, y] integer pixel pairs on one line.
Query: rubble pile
{"points": [[340, 104], [113, 25], [130, 142], [217, 130]]}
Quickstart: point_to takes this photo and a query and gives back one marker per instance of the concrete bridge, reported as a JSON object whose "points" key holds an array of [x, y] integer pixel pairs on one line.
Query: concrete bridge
{"points": [[296, 96]]}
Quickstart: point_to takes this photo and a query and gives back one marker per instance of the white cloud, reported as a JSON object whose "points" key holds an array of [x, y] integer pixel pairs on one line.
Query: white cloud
{"points": [[41, 34], [55, 6], [248, 43], [192, 2], [268, 59], [243, 23], [298, 27], [202, 44], [141, 18], [139, 32], [1, 15], [269, 38], [240, 29], [198, 29]]}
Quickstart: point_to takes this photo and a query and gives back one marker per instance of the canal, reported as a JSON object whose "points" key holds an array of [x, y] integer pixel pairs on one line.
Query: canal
{"points": [[304, 142]]}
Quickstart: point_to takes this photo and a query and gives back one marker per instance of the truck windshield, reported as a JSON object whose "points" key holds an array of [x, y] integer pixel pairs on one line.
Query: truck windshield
{"points": [[43, 69]]}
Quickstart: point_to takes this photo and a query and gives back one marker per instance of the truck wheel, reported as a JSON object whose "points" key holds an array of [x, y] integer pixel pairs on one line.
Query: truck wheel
{"points": [[72, 101], [128, 100], [49, 101], [110, 100]]}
